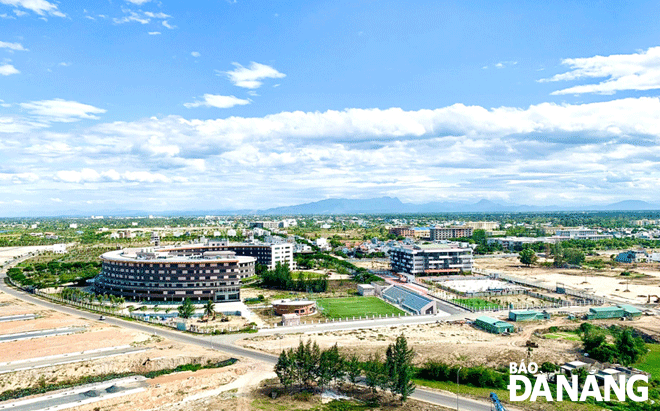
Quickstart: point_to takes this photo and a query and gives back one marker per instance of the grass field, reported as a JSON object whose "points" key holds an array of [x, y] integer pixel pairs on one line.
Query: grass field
{"points": [[355, 306], [563, 336], [477, 303], [651, 362]]}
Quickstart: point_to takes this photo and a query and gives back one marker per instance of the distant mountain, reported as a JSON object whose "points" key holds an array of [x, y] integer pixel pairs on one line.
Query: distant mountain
{"points": [[345, 206], [392, 205], [631, 205], [381, 205]]}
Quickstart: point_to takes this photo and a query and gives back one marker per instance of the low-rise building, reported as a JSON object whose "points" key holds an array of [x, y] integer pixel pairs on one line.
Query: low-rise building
{"points": [[579, 234], [517, 243], [298, 307], [493, 325], [445, 233], [366, 289], [410, 301], [402, 232], [632, 256], [522, 315], [483, 225]]}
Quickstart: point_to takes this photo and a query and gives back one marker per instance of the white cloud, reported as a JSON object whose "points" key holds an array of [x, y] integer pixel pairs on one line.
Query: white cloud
{"points": [[59, 110], [41, 7], [195, 54], [138, 2], [142, 17], [154, 33], [251, 77], [595, 152], [88, 175], [638, 71], [167, 25], [8, 69], [12, 46], [19, 177], [218, 101]]}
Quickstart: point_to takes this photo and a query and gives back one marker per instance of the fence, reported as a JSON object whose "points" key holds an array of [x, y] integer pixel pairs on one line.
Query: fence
{"points": [[149, 319], [348, 319]]}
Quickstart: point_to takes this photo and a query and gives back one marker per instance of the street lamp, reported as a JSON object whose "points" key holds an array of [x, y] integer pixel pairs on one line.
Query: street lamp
{"points": [[458, 373]]}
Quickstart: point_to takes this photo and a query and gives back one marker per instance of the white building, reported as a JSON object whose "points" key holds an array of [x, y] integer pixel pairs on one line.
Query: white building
{"points": [[322, 243], [579, 234]]}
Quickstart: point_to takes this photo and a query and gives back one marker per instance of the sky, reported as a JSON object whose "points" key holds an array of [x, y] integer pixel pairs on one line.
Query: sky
{"points": [[164, 106]]}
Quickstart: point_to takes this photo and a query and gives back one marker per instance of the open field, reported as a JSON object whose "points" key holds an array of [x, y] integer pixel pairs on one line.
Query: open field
{"points": [[477, 303], [563, 336], [355, 307], [651, 362]]}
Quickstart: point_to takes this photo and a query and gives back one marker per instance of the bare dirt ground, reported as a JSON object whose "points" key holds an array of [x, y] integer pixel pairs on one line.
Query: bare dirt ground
{"points": [[452, 343], [160, 354], [192, 390], [8, 253], [607, 282]]}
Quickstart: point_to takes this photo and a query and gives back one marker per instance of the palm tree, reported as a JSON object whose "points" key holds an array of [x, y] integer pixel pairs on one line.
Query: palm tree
{"points": [[209, 309]]}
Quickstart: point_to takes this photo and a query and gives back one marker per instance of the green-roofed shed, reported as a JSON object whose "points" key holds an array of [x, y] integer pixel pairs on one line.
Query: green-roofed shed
{"points": [[522, 315], [602, 313], [493, 325], [630, 312]]}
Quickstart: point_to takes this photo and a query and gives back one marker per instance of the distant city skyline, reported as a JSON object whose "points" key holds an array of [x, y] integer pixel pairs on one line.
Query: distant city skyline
{"points": [[227, 105]]}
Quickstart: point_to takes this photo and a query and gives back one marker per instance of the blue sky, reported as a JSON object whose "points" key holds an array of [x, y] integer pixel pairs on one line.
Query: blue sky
{"points": [[150, 105]]}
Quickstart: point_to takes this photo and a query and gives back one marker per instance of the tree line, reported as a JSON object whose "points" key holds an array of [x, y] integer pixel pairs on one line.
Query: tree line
{"points": [[626, 349], [282, 279], [307, 367]]}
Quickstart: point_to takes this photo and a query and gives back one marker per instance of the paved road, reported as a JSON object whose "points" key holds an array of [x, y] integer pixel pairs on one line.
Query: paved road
{"points": [[78, 396], [17, 318], [40, 334], [226, 345], [50, 361]]}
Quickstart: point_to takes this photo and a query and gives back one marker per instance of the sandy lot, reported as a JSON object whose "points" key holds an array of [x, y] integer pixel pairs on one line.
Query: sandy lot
{"points": [[453, 343], [9, 253], [606, 283]]}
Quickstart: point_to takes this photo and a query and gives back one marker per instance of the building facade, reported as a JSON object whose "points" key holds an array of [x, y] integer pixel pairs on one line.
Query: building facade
{"points": [[402, 232], [445, 233], [580, 234], [431, 260], [173, 274]]}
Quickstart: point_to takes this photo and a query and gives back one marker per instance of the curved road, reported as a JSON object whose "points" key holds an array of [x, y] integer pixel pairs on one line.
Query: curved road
{"points": [[224, 344]]}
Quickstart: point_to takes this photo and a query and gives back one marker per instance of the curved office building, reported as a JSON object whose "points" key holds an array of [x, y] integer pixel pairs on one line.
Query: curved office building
{"points": [[173, 274]]}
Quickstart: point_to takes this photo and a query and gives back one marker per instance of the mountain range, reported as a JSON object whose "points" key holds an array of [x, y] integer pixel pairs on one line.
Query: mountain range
{"points": [[392, 205]]}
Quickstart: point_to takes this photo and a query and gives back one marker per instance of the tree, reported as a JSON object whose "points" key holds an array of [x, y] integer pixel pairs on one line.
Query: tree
{"points": [[630, 348], [527, 256], [374, 372], [352, 368], [399, 368], [209, 309], [285, 369], [187, 309]]}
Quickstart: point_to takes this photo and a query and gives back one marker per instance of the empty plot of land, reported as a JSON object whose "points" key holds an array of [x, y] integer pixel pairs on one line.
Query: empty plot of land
{"points": [[480, 285], [355, 307], [69, 358], [84, 394], [39, 334]]}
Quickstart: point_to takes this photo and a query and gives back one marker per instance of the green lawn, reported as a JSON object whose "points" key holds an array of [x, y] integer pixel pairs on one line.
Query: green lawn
{"points": [[482, 394], [651, 362], [563, 335], [477, 303], [355, 306]]}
